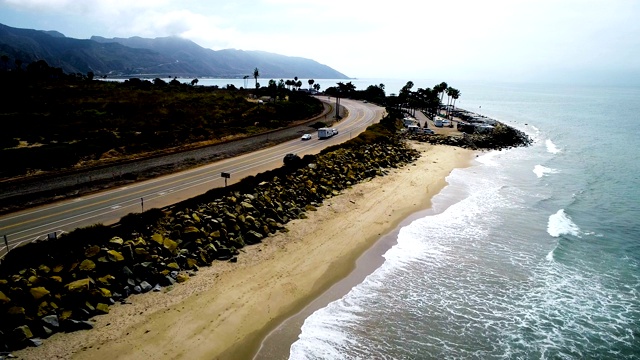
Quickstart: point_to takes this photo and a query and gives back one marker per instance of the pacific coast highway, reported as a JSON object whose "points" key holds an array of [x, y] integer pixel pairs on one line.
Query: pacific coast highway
{"points": [[109, 206]]}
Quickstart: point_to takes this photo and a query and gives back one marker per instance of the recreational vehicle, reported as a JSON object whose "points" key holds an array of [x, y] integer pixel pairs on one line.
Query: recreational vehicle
{"points": [[325, 133]]}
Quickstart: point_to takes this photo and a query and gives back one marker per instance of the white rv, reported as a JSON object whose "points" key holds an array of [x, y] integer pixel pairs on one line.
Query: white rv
{"points": [[438, 121], [325, 133]]}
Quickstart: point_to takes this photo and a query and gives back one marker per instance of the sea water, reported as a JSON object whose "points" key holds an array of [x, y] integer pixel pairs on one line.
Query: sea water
{"points": [[529, 253]]}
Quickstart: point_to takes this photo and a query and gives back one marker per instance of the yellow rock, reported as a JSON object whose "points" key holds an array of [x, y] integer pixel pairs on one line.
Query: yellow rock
{"points": [[87, 265], [141, 251], [56, 278], [105, 292], [170, 245], [157, 238], [43, 309], [80, 285], [192, 263], [58, 268], [115, 256], [174, 266], [16, 310], [66, 314], [39, 292], [116, 240], [102, 308], [182, 278], [106, 280], [92, 251], [3, 298]]}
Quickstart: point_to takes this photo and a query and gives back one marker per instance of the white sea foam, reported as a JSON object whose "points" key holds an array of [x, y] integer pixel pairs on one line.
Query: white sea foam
{"points": [[535, 128], [550, 254], [560, 224], [551, 147], [541, 171]]}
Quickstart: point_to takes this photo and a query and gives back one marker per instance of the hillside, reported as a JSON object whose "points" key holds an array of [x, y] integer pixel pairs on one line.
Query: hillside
{"points": [[159, 57]]}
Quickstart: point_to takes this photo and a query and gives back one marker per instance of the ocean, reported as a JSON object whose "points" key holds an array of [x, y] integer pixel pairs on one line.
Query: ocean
{"points": [[529, 253]]}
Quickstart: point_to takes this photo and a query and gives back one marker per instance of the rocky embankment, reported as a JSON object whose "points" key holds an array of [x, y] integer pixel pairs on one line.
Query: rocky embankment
{"points": [[502, 137], [59, 285]]}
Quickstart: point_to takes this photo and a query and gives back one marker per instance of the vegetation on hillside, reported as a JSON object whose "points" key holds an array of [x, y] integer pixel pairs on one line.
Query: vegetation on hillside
{"points": [[51, 120]]}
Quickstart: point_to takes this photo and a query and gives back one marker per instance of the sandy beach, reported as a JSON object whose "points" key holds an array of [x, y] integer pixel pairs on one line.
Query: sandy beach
{"points": [[227, 309]]}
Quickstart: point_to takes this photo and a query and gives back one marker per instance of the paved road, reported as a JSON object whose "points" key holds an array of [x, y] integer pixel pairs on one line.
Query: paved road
{"points": [[109, 206]]}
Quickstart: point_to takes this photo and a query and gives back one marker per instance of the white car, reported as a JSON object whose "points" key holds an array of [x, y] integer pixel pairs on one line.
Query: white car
{"points": [[306, 137]]}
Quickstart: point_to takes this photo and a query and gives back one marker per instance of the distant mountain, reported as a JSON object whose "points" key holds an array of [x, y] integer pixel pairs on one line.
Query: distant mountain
{"points": [[159, 57]]}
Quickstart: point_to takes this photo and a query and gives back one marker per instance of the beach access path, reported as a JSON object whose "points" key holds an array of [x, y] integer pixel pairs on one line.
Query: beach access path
{"points": [[227, 309]]}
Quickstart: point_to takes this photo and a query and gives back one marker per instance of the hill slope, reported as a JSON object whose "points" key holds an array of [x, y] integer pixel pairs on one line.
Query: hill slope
{"points": [[163, 57]]}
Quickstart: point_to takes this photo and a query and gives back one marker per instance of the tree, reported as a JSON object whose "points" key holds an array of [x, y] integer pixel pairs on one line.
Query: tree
{"points": [[316, 87], [440, 89], [90, 75], [299, 84], [245, 78], [194, 82], [456, 94], [256, 74], [311, 81]]}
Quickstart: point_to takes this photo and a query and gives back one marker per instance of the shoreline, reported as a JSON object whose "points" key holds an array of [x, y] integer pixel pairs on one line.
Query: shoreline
{"points": [[228, 309]]}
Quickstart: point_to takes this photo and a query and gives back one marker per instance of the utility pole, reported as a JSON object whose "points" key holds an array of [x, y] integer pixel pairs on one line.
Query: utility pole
{"points": [[142, 204]]}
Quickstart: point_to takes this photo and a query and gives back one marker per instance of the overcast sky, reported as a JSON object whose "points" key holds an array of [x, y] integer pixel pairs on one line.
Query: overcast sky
{"points": [[507, 40]]}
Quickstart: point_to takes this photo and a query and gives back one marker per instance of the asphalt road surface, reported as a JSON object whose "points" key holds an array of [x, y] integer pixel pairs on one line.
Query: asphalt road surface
{"points": [[109, 206]]}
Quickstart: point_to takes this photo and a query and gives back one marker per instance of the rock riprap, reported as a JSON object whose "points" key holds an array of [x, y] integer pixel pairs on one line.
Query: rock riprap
{"points": [[81, 279]]}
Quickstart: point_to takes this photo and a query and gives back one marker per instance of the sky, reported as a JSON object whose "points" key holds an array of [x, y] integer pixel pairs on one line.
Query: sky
{"points": [[565, 41]]}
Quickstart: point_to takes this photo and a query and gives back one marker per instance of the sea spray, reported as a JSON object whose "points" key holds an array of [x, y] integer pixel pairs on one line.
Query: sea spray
{"points": [[551, 147], [541, 171], [560, 224]]}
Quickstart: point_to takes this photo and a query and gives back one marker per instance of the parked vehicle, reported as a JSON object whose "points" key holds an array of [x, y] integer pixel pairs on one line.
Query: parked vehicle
{"points": [[409, 121], [437, 121]]}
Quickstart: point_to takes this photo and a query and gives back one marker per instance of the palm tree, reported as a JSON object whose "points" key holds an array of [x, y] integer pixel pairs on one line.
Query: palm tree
{"points": [[455, 96], [256, 74], [245, 78], [311, 81], [440, 89], [449, 92], [316, 87]]}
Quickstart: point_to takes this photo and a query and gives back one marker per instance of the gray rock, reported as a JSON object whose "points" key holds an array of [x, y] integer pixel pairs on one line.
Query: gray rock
{"points": [[34, 342], [145, 286], [126, 271], [74, 325], [51, 321]]}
